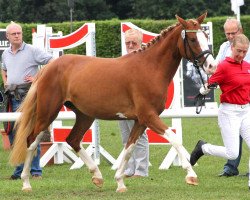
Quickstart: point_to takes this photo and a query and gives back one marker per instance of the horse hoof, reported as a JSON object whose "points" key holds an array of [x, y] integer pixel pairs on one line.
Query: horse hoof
{"points": [[98, 182], [28, 189], [192, 180], [121, 190]]}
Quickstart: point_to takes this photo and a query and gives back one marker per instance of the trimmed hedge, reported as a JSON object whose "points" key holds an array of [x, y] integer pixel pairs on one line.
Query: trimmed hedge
{"points": [[108, 39]]}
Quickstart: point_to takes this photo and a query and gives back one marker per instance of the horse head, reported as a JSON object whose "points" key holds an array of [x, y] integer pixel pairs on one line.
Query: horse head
{"points": [[193, 44]]}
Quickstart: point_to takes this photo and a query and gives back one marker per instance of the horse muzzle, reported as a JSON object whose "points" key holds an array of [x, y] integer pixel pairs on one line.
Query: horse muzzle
{"points": [[210, 65]]}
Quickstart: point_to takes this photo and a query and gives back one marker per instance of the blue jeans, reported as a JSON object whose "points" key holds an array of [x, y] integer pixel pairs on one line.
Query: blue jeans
{"points": [[231, 167], [35, 166]]}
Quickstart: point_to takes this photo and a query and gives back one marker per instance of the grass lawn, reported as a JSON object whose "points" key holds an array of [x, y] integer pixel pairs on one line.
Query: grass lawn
{"points": [[61, 183]]}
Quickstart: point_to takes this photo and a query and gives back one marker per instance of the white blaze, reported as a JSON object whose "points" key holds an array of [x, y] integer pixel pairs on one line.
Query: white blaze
{"points": [[210, 63]]}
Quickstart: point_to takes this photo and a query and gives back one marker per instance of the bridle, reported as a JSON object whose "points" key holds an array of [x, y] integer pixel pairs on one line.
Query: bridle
{"points": [[194, 58], [199, 99]]}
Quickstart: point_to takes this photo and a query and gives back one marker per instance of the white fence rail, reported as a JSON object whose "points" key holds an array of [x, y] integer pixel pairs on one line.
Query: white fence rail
{"points": [[170, 113]]}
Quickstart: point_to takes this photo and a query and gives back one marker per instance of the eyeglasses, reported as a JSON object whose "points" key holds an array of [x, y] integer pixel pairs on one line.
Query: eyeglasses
{"points": [[16, 33], [130, 43], [232, 33]]}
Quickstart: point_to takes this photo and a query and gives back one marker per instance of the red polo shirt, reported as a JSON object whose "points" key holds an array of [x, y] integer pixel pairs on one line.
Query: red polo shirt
{"points": [[234, 81]]}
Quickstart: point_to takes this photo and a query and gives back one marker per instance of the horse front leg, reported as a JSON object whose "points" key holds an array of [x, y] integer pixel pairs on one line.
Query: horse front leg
{"points": [[119, 175], [27, 163], [137, 130]]}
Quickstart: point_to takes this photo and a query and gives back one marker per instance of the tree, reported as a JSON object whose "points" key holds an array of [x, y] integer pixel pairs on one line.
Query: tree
{"points": [[44, 11]]}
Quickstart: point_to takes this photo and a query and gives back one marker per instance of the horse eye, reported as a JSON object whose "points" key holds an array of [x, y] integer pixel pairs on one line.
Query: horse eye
{"points": [[193, 40]]}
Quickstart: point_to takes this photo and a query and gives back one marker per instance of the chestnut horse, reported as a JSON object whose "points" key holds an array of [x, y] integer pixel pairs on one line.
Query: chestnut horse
{"points": [[111, 89]]}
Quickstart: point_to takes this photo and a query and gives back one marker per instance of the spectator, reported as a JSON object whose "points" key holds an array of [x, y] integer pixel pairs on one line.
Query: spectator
{"points": [[19, 66], [139, 161]]}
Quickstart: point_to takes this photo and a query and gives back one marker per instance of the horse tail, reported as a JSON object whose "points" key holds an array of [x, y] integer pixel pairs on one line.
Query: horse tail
{"points": [[24, 125]]}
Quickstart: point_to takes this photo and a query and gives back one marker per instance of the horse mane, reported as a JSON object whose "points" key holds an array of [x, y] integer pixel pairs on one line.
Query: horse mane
{"points": [[162, 34], [156, 39]]}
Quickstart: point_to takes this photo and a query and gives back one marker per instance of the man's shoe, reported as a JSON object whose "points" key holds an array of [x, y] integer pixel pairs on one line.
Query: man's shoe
{"points": [[197, 152], [14, 177], [36, 176], [133, 176], [225, 174], [244, 175]]}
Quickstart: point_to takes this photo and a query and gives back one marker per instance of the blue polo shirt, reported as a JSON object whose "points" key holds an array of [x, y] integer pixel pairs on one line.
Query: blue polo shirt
{"points": [[24, 62]]}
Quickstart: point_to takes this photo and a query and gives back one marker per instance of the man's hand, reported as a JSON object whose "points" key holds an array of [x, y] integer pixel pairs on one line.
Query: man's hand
{"points": [[29, 79]]}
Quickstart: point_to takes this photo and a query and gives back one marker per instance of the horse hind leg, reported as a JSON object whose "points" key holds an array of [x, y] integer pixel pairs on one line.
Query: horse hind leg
{"points": [[27, 163], [156, 124], [82, 124], [191, 177], [44, 117]]}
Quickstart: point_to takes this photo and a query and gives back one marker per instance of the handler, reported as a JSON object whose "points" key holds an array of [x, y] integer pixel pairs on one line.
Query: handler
{"points": [[233, 77], [232, 27]]}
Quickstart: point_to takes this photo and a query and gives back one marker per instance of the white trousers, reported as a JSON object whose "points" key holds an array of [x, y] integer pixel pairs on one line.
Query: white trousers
{"points": [[233, 120], [139, 160]]}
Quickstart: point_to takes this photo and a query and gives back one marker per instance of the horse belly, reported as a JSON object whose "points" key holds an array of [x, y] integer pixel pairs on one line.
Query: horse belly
{"points": [[104, 110], [103, 104]]}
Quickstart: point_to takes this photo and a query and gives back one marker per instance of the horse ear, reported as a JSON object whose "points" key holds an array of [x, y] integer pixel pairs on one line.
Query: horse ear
{"points": [[182, 21], [202, 17]]}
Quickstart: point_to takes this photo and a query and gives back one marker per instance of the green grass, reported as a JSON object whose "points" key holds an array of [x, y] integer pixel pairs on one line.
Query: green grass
{"points": [[61, 183]]}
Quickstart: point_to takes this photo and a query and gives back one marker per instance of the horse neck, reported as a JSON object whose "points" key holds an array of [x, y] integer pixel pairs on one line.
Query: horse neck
{"points": [[166, 53]]}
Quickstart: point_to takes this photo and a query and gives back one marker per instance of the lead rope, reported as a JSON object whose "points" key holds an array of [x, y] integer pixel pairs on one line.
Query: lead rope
{"points": [[199, 99]]}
